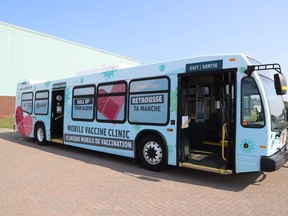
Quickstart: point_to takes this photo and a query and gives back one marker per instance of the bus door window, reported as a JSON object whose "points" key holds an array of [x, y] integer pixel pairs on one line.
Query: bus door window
{"points": [[252, 108], [195, 103], [59, 108], [195, 98]]}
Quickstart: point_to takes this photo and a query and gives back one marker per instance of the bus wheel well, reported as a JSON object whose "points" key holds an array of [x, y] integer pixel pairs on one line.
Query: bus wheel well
{"points": [[151, 149], [37, 124], [40, 133], [145, 133]]}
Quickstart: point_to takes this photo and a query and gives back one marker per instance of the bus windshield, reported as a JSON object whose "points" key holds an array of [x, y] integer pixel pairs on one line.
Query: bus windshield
{"points": [[276, 105]]}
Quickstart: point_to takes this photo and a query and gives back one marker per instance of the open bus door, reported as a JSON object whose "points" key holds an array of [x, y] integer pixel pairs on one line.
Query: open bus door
{"points": [[206, 132], [57, 114]]}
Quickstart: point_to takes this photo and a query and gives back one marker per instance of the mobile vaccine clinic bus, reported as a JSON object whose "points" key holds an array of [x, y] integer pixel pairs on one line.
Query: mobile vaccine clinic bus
{"points": [[218, 113]]}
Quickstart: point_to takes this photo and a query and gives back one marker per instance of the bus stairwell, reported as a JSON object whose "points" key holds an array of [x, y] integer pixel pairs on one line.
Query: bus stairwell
{"points": [[206, 131]]}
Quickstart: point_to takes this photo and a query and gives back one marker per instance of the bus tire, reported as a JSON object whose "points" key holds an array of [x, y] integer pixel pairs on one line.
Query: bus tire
{"points": [[40, 134], [152, 152]]}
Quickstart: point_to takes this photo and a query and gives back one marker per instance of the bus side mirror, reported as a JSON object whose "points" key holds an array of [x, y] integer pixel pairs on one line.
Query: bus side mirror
{"points": [[280, 84]]}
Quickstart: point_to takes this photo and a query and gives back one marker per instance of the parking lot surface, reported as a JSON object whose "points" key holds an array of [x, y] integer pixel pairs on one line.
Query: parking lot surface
{"points": [[63, 180]]}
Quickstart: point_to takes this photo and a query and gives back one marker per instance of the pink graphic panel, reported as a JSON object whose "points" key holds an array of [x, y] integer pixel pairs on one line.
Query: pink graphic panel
{"points": [[24, 123]]}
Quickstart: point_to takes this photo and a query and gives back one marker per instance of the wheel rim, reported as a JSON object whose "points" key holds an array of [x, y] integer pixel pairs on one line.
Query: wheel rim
{"points": [[40, 134], [152, 152]]}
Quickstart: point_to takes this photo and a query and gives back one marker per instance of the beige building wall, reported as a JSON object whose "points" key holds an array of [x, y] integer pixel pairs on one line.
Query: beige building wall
{"points": [[29, 54]]}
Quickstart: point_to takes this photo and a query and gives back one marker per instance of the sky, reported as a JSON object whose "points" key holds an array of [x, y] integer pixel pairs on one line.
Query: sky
{"points": [[159, 30]]}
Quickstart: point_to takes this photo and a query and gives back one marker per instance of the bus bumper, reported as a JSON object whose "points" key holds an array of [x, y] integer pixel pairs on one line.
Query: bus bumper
{"points": [[276, 161]]}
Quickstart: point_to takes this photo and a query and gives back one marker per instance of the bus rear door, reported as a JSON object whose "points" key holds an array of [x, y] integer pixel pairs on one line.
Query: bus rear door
{"points": [[57, 115]]}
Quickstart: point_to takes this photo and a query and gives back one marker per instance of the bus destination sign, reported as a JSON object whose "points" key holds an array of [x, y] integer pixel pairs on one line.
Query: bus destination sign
{"points": [[61, 85], [204, 66]]}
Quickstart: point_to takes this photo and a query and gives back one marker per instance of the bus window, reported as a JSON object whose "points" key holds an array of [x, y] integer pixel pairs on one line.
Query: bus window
{"points": [[276, 106], [149, 101], [41, 103], [83, 107], [252, 109], [27, 102], [111, 101]]}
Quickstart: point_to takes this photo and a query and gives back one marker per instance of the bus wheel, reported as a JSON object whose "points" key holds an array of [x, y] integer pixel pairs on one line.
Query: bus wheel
{"points": [[40, 134], [152, 153]]}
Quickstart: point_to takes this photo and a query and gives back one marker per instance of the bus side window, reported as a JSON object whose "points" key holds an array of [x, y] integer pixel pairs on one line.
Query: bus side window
{"points": [[27, 102], [83, 107], [149, 101], [41, 103], [111, 102]]}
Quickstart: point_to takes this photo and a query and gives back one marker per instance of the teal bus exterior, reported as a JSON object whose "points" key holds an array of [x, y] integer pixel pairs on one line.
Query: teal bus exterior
{"points": [[218, 113]]}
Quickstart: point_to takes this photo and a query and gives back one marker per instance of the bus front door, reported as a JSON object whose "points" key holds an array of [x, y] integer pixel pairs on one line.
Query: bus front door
{"points": [[57, 115], [206, 121]]}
